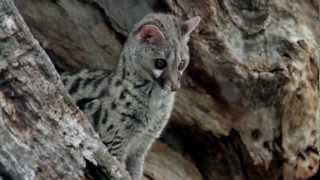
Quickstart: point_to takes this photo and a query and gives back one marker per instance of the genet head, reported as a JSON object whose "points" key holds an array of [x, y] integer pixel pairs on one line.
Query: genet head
{"points": [[159, 48]]}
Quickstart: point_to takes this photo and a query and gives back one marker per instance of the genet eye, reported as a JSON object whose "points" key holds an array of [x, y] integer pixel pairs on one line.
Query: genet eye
{"points": [[160, 63], [182, 64]]}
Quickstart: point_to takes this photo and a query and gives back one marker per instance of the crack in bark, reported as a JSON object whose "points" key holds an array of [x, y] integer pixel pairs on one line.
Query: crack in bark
{"points": [[120, 35]]}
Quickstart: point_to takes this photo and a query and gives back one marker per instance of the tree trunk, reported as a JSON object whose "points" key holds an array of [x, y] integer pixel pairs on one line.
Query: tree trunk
{"points": [[43, 135], [249, 106]]}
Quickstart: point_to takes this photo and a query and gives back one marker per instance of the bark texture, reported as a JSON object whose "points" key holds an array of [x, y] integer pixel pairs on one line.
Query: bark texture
{"points": [[43, 135], [249, 106]]}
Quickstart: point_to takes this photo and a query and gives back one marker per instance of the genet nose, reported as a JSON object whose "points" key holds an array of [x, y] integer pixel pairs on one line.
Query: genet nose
{"points": [[172, 85]]}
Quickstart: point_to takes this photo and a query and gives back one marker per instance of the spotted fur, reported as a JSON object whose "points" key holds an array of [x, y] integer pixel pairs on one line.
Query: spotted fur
{"points": [[130, 107]]}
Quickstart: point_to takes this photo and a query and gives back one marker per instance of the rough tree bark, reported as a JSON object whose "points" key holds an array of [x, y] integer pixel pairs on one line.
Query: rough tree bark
{"points": [[43, 135], [249, 106]]}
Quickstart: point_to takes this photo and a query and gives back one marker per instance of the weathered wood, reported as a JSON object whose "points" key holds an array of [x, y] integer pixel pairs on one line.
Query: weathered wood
{"points": [[256, 61], [249, 104], [43, 135]]}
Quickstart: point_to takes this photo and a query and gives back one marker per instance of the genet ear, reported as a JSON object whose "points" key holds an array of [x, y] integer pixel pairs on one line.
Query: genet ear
{"points": [[150, 34], [190, 25]]}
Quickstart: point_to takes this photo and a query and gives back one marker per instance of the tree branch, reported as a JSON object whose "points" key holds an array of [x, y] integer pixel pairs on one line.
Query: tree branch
{"points": [[43, 134]]}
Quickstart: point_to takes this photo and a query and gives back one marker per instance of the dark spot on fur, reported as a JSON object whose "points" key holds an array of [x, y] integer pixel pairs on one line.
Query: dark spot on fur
{"points": [[124, 73], [97, 82], [107, 143], [87, 81], [128, 104], [123, 119], [96, 116], [129, 126], [110, 127], [104, 120], [116, 143], [75, 85], [133, 117], [82, 103], [113, 105], [122, 95], [89, 105], [118, 83]]}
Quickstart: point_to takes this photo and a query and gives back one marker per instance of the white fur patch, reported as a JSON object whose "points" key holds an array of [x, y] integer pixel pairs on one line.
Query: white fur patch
{"points": [[157, 73]]}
